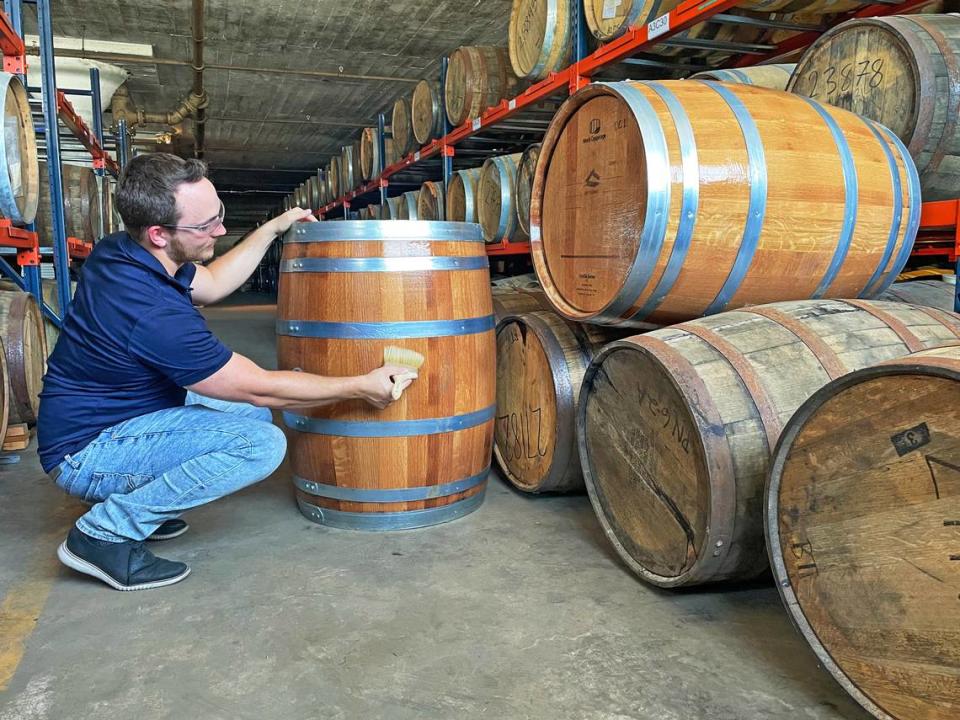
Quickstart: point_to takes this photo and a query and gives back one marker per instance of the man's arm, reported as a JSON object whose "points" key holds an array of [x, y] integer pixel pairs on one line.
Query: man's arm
{"points": [[217, 280], [242, 380]]}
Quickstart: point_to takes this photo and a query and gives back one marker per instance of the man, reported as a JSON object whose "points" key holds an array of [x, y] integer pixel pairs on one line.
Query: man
{"points": [[144, 412]]}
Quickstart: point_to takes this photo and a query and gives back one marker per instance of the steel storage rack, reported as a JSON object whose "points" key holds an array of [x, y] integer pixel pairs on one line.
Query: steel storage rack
{"points": [[505, 123], [56, 109]]}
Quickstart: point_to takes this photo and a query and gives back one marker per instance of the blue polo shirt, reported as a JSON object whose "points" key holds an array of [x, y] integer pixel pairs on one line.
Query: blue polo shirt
{"points": [[131, 341]]}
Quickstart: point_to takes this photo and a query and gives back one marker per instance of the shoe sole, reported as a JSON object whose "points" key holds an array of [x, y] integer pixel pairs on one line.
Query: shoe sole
{"points": [[82, 566], [168, 536]]}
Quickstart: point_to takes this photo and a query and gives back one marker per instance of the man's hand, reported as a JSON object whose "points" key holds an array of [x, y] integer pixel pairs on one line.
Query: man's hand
{"points": [[377, 386], [281, 223]]}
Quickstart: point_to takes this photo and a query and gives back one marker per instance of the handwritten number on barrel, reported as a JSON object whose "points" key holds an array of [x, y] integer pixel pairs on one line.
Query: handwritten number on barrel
{"points": [[803, 552]]}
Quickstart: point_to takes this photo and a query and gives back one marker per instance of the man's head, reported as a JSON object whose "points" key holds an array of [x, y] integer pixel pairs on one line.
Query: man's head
{"points": [[170, 207]]}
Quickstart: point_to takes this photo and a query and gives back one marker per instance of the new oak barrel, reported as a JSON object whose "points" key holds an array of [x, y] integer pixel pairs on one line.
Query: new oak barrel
{"points": [[408, 205], [347, 291], [934, 293], [426, 112], [541, 359], [400, 126], [497, 199], [774, 76], [462, 195], [665, 201], [477, 78], [20, 184], [25, 349], [525, 174], [541, 37], [863, 525], [904, 72], [430, 201], [676, 426]]}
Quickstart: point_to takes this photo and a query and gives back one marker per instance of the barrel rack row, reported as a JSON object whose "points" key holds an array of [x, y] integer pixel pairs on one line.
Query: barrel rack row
{"points": [[940, 228], [57, 110]]}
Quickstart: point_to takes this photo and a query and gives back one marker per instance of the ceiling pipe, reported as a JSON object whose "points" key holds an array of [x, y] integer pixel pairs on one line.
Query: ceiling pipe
{"points": [[194, 105]]}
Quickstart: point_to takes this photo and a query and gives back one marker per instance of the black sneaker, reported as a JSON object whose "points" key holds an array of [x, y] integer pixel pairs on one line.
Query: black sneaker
{"points": [[169, 529], [123, 566]]}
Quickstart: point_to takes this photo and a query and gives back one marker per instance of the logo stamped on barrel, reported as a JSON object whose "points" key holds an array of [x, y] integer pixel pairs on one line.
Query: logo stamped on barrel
{"points": [[911, 439]]}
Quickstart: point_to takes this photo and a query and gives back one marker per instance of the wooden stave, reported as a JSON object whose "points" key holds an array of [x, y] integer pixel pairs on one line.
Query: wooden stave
{"points": [[21, 326], [19, 208], [486, 77], [431, 204], [904, 170], [400, 126], [426, 112], [930, 364], [526, 171], [774, 76], [463, 184], [741, 531], [931, 44], [516, 301], [555, 43], [436, 241], [408, 205], [932, 293], [502, 224], [569, 348]]}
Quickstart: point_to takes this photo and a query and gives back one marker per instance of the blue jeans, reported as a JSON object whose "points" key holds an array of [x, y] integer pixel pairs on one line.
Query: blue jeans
{"points": [[151, 468]]}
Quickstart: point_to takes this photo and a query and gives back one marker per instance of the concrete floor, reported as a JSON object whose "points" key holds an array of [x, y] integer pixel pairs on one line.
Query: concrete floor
{"points": [[520, 610]]}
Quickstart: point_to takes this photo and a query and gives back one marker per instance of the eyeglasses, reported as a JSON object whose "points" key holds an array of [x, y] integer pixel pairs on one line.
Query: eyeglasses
{"points": [[206, 227]]}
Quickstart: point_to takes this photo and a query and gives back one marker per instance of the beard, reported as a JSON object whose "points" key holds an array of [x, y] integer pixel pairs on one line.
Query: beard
{"points": [[181, 254]]}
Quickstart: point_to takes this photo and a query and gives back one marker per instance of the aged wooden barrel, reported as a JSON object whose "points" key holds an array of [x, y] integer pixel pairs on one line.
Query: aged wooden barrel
{"points": [[426, 112], [933, 293], [609, 20], [774, 76], [676, 426], [904, 72], [392, 211], [430, 201], [408, 205], [665, 201], [516, 300], [81, 204], [425, 458], [403, 141], [497, 199], [25, 348], [541, 359], [525, 174], [333, 178], [48, 287], [462, 195], [349, 167], [477, 78], [863, 525], [541, 37], [20, 185], [370, 165]]}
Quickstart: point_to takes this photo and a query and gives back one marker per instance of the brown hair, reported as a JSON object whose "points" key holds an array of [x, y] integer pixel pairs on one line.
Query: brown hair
{"points": [[146, 189]]}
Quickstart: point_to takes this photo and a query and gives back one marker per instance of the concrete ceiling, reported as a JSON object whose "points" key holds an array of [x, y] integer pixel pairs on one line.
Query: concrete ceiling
{"points": [[268, 127]]}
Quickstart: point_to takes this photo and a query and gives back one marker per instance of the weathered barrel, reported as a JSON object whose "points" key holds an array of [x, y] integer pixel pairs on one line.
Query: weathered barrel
{"points": [[497, 199], [392, 211], [81, 204], [477, 78], [425, 458], [516, 300], [426, 112], [933, 293], [904, 72], [25, 348], [608, 20], [541, 359], [525, 175], [430, 201], [462, 195], [665, 201], [20, 184], [370, 164], [676, 426], [541, 37], [333, 178], [774, 76], [403, 141], [349, 167], [408, 205], [863, 526]]}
